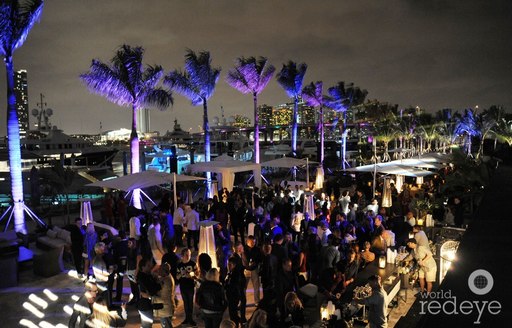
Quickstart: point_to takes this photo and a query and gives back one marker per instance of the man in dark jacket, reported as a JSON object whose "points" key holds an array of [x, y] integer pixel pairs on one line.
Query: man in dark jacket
{"points": [[211, 298], [148, 286], [77, 245], [268, 271], [233, 285]]}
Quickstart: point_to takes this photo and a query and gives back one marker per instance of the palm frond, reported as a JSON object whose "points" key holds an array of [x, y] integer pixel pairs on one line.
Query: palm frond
{"points": [[16, 20], [180, 82], [103, 80], [126, 82], [291, 77], [313, 94], [250, 75]]}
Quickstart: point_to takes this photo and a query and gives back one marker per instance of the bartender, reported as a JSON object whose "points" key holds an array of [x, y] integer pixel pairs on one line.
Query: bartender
{"points": [[426, 261], [376, 303]]}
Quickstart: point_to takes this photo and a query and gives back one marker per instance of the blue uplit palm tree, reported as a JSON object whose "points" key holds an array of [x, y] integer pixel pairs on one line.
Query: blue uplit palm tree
{"points": [[341, 98], [467, 127], [252, 75], [313, 96], [197, 83], [290, 78], [126, 82], [16, 20]]}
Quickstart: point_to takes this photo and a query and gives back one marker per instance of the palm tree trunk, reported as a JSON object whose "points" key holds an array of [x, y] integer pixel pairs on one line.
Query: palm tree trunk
{"points": [[321, 128], [134, 152], [206, 128], [13, 143], [256, 129], [294, 126]]}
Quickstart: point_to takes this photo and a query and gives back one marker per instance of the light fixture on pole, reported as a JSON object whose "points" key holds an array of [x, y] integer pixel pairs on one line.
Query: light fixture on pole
{"points": [[419, 181], [448, 251], [319, 182], [207, 241], [399, 182], [386, 193]]}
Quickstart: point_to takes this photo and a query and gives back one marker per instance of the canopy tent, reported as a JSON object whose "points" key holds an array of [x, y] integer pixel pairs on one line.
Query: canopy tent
{"points": [[287, 162], [226, 166], [391, 168], [143, 180], [290, 162]]}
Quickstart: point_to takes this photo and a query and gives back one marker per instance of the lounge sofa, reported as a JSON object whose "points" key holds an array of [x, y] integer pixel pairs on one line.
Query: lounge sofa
{"points": [[51, 246], [54, 238]]}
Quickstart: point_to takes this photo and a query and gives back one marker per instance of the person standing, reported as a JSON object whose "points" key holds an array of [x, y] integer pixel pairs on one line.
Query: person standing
{"points": [[155, 241], [252, 258], [77, 246], [192, 223], [211, 298], [376, 303], [90, 240], [233, 285], [133, 258], [178, 219], [166, 296], [427, 263], [149, 287], [187, 273]]}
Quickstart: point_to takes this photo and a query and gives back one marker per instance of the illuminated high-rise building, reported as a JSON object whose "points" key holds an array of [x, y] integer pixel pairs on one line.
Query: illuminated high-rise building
{"points": [[21, 93], [282, 114], [265, 115]]}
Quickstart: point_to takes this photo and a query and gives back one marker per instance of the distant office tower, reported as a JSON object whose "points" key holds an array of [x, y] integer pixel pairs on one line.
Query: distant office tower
{"points": [[265, 115], [143, 121], [21, 93]]}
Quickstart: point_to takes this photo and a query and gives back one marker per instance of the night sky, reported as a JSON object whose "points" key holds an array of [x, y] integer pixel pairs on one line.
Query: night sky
{"points": [[433, 54]]}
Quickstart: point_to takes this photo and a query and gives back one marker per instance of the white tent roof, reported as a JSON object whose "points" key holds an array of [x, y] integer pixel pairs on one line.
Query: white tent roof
{"points": [[227, 167], [287, 162], [391, 168], [142, 180]]}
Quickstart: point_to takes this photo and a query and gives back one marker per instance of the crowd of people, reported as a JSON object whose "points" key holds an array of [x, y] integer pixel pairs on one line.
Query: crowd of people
{"points": [[262, 237]]}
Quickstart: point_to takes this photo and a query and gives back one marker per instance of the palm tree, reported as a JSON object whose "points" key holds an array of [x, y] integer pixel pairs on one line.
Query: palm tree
{"points": [[290, 78], [16, 20], [487, 121], [126, 82], [252, 75], [197, 83], [385, 131], [341, 98], [503, 131], [313, 95], [466, 126], [429, 133]]}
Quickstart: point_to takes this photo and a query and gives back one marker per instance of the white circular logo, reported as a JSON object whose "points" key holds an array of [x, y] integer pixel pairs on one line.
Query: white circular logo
{"points": [[480, 282]]}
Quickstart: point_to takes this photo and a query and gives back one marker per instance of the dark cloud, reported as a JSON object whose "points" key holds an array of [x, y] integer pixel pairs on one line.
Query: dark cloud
{"points": [[435, 54]]}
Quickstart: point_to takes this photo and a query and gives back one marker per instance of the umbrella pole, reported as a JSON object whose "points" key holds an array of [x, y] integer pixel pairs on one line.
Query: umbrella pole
{"points": [[174, 190], [307, 173]]}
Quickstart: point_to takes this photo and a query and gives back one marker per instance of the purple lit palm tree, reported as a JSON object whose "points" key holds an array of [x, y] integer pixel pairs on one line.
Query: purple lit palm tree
{"points": [[251, 75], [197, 83], [341, 98], [16, 20], [466, 125], [290, 78], [126, 82], [313, 95]]}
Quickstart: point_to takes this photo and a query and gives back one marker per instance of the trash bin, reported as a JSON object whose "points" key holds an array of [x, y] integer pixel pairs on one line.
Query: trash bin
{"points": [[9, 263]]}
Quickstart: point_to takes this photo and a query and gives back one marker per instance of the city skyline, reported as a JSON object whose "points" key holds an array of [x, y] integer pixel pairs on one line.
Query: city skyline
{"points": [[440, 54]]}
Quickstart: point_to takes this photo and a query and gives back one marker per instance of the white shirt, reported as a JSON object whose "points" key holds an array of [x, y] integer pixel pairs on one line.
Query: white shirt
{"points": [[178, 216], [421, 238], [135, 228], [344, 201], [411, 221], [192, 220]]}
